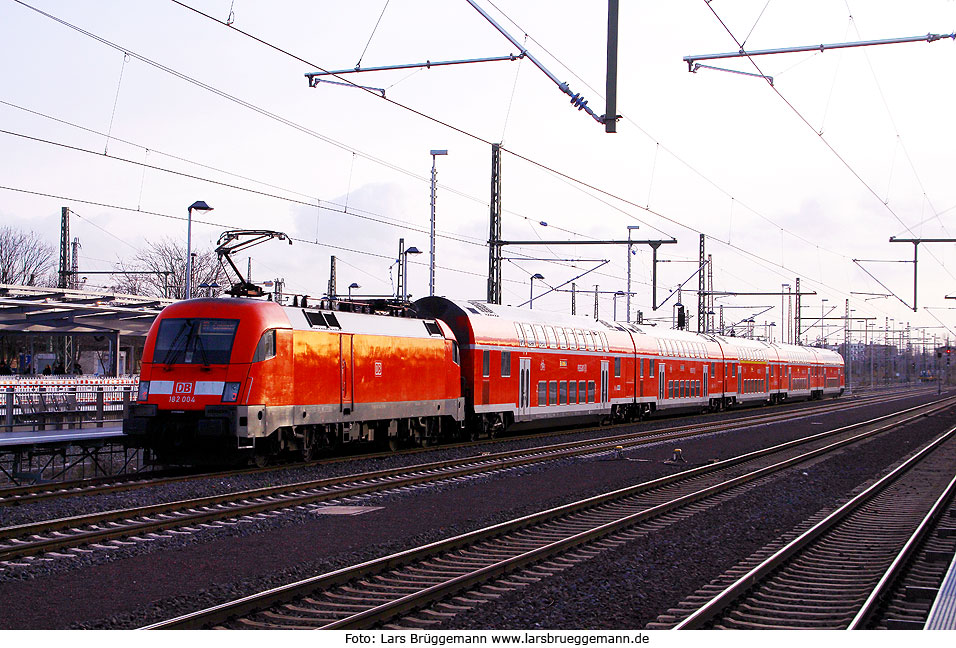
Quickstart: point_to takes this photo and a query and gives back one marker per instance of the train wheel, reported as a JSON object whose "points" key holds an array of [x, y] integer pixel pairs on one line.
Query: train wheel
{"points": [[309, 445], [261, 460]]}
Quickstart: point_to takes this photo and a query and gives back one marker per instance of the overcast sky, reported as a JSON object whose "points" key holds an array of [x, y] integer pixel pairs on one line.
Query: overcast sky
{"points": [[846, 149]]}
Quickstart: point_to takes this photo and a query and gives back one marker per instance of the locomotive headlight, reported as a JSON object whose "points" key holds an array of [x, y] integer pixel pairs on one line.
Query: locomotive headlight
{"points": [[143, 390], [230, 392]]}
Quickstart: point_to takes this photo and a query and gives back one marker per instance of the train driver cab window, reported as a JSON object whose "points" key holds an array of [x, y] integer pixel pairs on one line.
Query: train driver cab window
{"points": [[267, 347], [485, 363], [455, 356], [505, 364]]}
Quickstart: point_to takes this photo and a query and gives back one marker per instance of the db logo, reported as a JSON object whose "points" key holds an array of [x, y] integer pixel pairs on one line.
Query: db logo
{"points": [[184, 388], [378, 368]]}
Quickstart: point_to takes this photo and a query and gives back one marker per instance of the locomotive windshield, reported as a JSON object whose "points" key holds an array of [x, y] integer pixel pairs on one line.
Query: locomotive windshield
{"points": [[195, 341]]}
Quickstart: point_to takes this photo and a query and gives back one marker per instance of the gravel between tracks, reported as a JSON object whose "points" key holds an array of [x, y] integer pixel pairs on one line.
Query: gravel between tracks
{"points": [[147, 582]]}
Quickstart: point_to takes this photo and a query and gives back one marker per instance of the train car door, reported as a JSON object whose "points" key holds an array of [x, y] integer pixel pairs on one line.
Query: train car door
{"points": [[660, 382], [524, 385], [346, 377], [605, 394]]}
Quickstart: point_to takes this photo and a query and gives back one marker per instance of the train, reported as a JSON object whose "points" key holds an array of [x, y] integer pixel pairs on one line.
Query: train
{"points": [[239, 379]]}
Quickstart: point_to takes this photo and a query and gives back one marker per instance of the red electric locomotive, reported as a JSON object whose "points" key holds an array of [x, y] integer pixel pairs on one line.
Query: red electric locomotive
{"points": [[226, 378]]}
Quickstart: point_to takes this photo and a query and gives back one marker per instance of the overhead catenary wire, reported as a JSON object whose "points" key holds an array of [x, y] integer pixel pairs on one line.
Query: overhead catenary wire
{"points": [[832, 149], [570, 178]]}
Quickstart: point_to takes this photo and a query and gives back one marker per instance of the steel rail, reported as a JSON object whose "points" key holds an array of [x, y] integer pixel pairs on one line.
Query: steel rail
{"points": [[882, 589], [469, 465], [403, 604], [713, 608], [99, 485]]}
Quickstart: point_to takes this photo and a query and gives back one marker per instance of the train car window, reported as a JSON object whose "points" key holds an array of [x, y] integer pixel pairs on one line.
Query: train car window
{"points": [[640, 364], [520, 332], [505, 364], [698, 388], [573, 393], [651, 374], [553, 392], [433, 328], [591, 391], [572, 343], [195, 341], [549, 335], [455, 357], [542, 393], [617, 367], [582, 393], [539, 334], [562, 338], [713, 369], [485, 363], [266, 348], [670, 389], [563, 393]]}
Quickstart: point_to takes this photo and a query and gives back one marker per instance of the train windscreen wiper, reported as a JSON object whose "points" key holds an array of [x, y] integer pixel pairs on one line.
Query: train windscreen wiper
{"points": [[174, 347]]}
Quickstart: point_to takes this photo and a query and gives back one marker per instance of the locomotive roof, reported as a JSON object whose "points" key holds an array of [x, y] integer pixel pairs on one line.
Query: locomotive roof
{"points": [[270, 314]]}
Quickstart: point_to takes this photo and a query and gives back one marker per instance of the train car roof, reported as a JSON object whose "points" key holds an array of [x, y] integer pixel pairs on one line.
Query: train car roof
{"points": [[478, 322]]}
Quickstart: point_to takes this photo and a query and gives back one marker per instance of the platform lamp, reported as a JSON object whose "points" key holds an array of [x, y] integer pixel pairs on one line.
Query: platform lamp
{"points": [[411, 250], [619, 293], [539, 277], [199, 205], [351, 286]]}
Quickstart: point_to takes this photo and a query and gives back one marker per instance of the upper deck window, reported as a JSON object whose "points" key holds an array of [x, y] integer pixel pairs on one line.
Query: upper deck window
{"points": [[195, 341]]}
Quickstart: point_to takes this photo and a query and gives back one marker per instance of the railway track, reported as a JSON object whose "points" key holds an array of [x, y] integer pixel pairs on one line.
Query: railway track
{"points": [[17, 495], [108, 530], [872, 563], [423, 586]]}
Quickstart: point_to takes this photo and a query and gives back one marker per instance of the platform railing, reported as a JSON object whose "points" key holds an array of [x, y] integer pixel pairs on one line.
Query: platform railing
{"points": [[58, 407]]}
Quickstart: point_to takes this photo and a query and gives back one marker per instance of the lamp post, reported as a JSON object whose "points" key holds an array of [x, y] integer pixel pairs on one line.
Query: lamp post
{"points": [[539, 277], [411, 250], [619, 293], [351, 286], [199, 205], [209, 287], [431, 260]]}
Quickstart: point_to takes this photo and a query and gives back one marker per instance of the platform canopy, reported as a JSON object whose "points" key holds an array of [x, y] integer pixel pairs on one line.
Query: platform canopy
{"points": [[60, 311]]}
